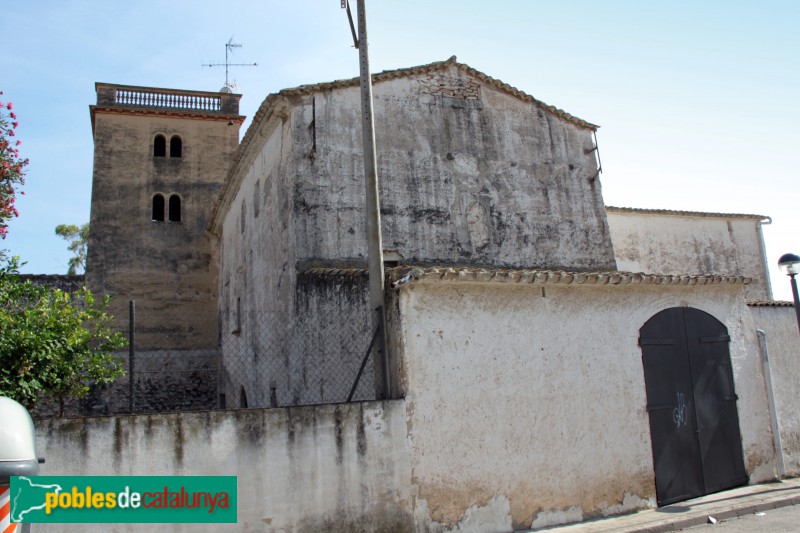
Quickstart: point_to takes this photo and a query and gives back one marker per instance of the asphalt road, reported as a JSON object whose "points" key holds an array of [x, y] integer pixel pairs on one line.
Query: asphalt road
{"points": [[783, 520]]}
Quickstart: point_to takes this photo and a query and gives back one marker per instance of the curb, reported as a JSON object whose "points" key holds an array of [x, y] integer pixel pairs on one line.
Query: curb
{"points": [[726, 514], [725, 505]]}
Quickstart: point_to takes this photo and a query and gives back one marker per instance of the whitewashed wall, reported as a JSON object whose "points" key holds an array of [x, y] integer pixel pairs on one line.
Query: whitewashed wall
{"points": [[324, 468], [700, 243], [527, 404], [783, 347]]}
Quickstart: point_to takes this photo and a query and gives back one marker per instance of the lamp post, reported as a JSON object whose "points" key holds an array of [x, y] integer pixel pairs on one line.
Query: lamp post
{"points": [[790, 265]]}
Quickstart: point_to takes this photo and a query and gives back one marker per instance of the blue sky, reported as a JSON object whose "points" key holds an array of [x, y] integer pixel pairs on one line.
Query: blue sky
{"points": [[696, 100]]}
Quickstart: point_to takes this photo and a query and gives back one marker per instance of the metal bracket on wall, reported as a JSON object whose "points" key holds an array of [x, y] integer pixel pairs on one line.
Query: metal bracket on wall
{"points": [[346, 5], [595, 148]]}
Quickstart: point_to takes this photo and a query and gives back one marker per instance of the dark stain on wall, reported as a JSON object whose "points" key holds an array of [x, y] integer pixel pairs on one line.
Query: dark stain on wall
{"points": [[120, 437], [179, 439], [290, 428], [361, 434], [252, 426], [338, 424]]}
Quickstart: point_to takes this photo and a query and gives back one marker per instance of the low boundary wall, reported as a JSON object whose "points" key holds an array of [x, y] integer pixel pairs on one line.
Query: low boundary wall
{"points": [[315, 468]]}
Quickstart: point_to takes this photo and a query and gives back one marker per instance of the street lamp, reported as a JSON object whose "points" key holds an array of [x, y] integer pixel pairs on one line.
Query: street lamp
{"points": [[790, 265]]}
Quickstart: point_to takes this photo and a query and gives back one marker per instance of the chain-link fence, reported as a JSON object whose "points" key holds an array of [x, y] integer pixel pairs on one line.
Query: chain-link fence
{"points": [[186, 355], [184, 358], [272, 359]]}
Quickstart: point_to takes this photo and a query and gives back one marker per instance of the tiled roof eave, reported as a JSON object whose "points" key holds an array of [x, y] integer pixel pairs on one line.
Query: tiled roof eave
{"points": [[769, 303], [400, 276], [674, 212], [432, 67], [572, 278]]}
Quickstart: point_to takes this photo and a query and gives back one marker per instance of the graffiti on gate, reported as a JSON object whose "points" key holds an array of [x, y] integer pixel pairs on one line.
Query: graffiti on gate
{"points": [[679, 413]]}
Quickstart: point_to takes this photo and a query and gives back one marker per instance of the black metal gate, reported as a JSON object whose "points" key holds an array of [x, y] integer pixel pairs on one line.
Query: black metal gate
{"points": [[694, 423]]}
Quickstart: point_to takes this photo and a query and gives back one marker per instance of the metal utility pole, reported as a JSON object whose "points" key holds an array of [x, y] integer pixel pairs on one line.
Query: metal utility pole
{"points": [[374, 240]]}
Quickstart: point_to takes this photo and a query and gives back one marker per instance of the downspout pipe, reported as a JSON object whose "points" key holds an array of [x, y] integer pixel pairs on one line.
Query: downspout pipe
{"points": [[764, 222], [773, 411]]}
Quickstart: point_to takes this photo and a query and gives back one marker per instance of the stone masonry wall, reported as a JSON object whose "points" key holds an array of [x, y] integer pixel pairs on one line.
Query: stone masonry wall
{"points": [[56, 281], [165, 265], [164, 381]]}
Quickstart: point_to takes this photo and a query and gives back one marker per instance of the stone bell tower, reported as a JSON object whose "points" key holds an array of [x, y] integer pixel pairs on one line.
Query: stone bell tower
{"points": [[160, 158]]}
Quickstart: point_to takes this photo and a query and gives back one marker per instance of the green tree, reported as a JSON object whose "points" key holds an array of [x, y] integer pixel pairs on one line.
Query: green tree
{"points": [[53, 344], [78, 238]]}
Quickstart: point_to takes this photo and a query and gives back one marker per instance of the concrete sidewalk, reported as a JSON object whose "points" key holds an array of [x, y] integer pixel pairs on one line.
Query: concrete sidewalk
{"points": [[722, 506]]}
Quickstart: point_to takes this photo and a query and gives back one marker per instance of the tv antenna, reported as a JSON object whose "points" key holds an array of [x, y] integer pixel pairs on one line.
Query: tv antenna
{"points": [[229, 46]]}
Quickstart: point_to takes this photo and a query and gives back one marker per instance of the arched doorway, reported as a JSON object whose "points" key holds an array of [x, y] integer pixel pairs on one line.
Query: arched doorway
{"points": [[691, 402]]}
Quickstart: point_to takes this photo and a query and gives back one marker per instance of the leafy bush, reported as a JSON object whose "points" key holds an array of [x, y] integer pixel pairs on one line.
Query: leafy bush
{"points": [[53, 344]]}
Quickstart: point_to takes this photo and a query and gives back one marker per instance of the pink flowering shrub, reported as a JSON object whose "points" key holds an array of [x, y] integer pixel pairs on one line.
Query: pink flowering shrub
{"points": [[12, 168]]}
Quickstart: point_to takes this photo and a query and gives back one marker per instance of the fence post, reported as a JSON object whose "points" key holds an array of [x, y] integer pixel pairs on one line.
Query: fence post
{"points": [[387, 385], [131, 351]]}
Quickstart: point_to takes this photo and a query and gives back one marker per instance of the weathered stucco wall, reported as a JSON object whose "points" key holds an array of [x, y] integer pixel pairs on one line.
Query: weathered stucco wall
{"points": [[527, 404], [476, 177], [257, 281], [783, 347], [325, 468], [306, 350], [684, 243], [470, 174], [256, 258]]}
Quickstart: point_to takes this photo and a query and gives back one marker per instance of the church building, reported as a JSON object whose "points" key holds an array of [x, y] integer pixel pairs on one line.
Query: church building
{"points": [[554, 359]]}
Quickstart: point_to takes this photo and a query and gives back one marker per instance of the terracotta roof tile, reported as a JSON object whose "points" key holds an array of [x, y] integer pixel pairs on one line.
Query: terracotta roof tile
{"points": [[432, 67], [612, 209], [407, 274], [769, 303]]}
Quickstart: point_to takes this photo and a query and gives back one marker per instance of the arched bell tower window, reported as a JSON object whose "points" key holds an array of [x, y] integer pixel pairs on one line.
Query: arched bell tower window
{"points": [[158, 208], [159, 146], [174, 208], [175, 147]]}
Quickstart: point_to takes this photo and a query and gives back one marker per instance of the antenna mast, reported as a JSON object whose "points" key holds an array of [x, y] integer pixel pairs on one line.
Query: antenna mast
{"points": [[229, 46]]}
